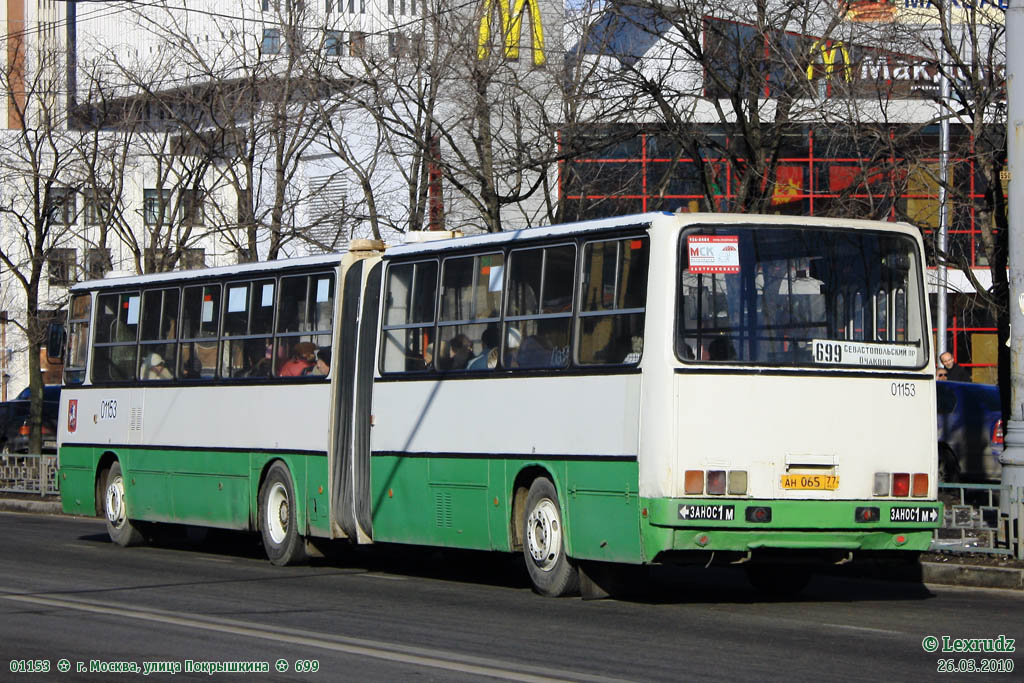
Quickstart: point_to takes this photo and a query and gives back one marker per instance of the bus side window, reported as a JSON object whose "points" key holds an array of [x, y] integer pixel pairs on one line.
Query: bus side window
{"points": [[612, 301], [409, 315], [470, 301], [200, 321], [158, 337], [117, 325], [305, 319], [78, 339], [539, 307]]}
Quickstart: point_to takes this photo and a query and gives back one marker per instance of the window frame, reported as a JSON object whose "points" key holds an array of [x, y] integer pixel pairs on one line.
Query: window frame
{"points": [[581, 315], [431, 324], [270, 44], [123, 294], [158, 198], [639, 230]]}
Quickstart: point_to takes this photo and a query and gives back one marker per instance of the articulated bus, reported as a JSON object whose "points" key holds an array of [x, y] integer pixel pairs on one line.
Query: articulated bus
{"points": [[656, 388]]}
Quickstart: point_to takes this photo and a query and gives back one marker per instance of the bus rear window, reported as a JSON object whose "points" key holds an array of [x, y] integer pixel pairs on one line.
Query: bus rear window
{"points": [[800, 296]]}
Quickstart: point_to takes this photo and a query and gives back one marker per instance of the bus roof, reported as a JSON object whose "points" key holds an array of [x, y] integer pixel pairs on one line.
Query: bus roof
{"points": [[500, 238], [641, 219], [203, 273], [492, 239]]}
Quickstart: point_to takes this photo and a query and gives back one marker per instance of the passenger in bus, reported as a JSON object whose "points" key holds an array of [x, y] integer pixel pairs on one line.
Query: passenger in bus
{"points": [[721, 348], [637, 348], [323, 362], [301, 360], [262, 365], [536, 352], [460, 350], [427, 361], [488, 358], [154, 368]]}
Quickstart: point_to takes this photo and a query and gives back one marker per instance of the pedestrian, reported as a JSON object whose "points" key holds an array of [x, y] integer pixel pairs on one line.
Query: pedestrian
{"points": [[954, 372]]}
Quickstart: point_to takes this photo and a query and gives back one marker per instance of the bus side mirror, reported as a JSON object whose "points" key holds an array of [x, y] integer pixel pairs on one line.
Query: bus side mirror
{"points": [[55, 339]]}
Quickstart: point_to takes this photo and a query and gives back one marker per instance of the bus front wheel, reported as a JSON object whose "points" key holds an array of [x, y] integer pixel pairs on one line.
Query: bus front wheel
{"points": [[551, 571], [121, 530], [278, 524]]}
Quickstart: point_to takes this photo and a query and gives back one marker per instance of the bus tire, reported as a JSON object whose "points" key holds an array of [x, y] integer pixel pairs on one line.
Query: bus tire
{"points": [[120, 528], [552, 572], [278, 525]]}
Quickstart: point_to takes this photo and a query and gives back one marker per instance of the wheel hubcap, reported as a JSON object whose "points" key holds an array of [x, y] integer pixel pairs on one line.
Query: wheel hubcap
{"points": [[115, 502], [278, 513], [544, 534]]}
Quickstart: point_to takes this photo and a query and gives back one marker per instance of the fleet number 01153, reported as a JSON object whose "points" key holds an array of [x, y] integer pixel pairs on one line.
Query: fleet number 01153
{"points": [[904, 389], [108, 409]]}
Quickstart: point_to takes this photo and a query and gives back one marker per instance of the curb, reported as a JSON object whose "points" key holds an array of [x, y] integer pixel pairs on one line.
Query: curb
{"points": [[41, 507], [972, 575]]}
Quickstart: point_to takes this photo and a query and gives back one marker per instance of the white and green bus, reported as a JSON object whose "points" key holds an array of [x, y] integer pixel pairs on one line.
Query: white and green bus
{"points": [[657, 388]]}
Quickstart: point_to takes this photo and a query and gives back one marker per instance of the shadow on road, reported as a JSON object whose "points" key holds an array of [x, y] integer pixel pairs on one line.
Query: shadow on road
{"points": [[645, 585]]}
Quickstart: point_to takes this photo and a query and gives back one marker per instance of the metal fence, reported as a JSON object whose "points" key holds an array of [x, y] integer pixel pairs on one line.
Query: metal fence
{"points": [[27, 473], [981, 518]]}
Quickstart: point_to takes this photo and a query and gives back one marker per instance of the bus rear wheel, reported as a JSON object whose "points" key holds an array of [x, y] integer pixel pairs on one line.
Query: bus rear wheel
{"points": [[120, 528], [551, 571], [278, 526]]}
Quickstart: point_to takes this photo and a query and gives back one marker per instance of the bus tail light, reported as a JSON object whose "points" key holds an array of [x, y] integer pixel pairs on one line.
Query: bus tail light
{"points": [[738, 483], [901, 485], [881, 484], [997, 433], [920, 484], [759, 514], [24, 429], [694, 482], [716, 482], [867, 514]]}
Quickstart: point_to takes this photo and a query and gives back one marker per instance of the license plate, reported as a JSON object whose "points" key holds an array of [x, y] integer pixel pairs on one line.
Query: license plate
{"points": [[810, 482], [902, 514], [722, 513]]}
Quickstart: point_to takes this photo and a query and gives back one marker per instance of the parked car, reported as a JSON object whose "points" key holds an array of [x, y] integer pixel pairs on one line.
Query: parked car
{"points": [[970, 431], [14, 416]]}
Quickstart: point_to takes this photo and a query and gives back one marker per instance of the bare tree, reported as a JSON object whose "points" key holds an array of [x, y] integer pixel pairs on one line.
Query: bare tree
{"points": [[226, 111], [38, 197], [467, 105], [968, 46]]}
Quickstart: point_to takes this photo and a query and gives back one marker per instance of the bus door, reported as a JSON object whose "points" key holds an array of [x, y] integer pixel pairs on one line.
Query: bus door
{"points": [[350, 451]]}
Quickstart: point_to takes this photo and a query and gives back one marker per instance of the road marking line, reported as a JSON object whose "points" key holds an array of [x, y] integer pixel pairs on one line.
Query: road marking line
{"points": [[405, 654], [386, 577], [849, 627]]}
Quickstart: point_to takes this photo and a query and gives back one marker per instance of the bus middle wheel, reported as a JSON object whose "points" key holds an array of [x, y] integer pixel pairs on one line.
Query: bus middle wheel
{"points": [[551, 571], [278, 524]]}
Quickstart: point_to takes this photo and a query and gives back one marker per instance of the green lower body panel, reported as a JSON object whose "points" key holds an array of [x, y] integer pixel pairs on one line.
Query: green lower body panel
{"points": [[799, 525], [468, 502], [207, 488]]}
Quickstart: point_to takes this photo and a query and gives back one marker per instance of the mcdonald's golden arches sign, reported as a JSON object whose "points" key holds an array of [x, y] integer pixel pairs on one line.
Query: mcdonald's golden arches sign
{"points": [[511, 14]]}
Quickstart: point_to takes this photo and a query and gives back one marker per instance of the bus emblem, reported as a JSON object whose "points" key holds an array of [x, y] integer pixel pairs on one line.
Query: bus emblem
{"points": [[72, 414]]}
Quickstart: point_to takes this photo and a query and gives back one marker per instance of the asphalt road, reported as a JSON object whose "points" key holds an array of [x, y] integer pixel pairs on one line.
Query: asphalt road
{"points": [[391, 613]]}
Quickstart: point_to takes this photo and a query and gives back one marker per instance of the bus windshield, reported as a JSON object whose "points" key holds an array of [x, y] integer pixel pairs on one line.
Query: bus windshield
{"points": [[800, 297]]}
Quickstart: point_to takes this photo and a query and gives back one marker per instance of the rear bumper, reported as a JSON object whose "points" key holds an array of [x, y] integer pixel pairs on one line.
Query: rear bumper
{"points": [[800, 525]]}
